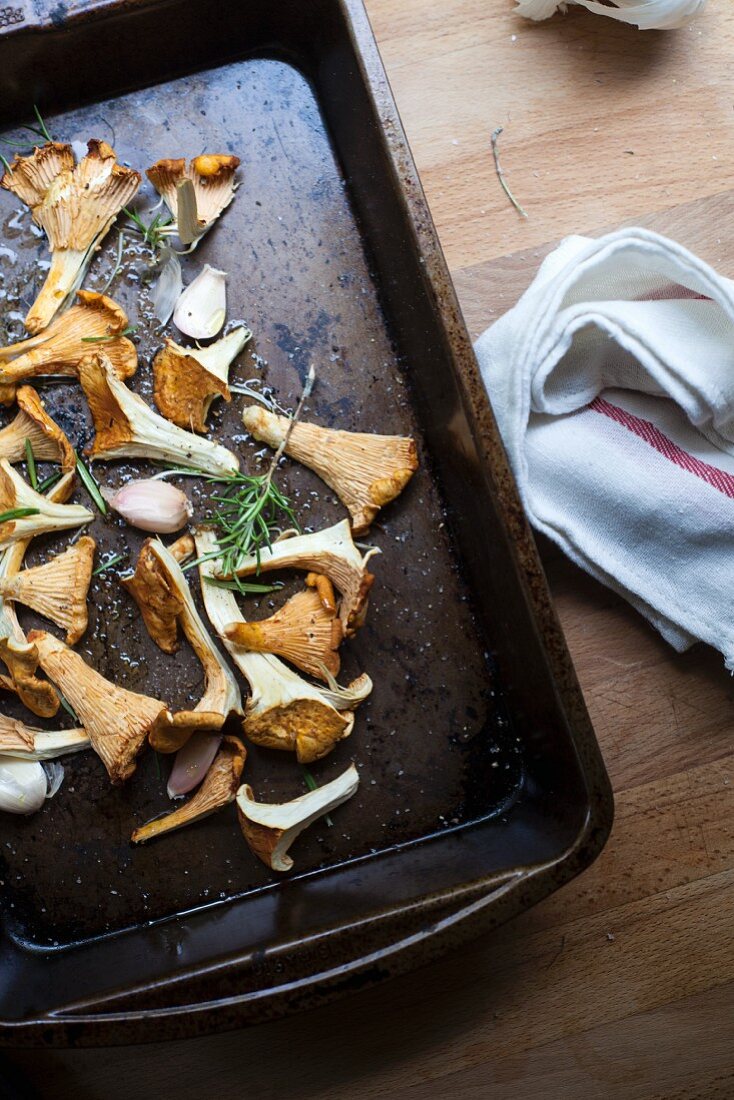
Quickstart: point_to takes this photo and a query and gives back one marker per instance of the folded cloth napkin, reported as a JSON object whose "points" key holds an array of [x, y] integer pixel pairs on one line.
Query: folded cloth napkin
{"points": [[612, 381]]}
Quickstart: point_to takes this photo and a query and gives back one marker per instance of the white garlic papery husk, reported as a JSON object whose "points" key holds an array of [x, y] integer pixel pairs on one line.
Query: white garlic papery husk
{"points": [[648, 15], [151, 505], [202, 308], [23, 785], [168, 287]]}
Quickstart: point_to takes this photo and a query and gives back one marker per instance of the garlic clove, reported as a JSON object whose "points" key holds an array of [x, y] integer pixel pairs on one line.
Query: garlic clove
{"points": [[23, 785], [192, 762], [151, 505], [168, 286], [202, 308]]}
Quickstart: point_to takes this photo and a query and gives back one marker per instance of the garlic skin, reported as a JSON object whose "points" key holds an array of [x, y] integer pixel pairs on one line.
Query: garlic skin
{"points": [[151, 505], [202, 308], [23, 786], [168, 287], [648, 15]]}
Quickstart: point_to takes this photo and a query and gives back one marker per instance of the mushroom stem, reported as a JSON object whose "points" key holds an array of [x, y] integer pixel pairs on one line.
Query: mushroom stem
{"points": [[271, 828]]}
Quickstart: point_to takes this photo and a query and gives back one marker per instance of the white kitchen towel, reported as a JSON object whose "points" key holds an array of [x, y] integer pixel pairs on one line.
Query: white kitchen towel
{"points": [[612, 381]]}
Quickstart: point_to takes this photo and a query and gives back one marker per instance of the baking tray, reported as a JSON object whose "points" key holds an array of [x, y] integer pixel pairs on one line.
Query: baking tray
{"points": [[482, 788]]}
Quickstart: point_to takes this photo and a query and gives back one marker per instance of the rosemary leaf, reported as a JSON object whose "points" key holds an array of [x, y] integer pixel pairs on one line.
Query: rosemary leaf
{"points": [[105, 565], [18, 513], [31, 464], [312, 785], [112, 335], [67, 706], [91, 485], [247, 589]]}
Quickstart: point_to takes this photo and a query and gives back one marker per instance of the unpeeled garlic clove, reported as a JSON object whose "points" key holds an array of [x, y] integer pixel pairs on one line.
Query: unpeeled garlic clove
{"points": [[202, 308], [152, 505], [23, 786]]}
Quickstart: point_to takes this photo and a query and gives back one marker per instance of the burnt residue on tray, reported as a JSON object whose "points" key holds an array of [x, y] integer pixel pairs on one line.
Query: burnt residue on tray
{"points": [[433, 744]]}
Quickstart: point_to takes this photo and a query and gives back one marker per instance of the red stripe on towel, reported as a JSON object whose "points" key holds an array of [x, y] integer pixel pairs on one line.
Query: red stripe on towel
{"points": [[646, 430]]}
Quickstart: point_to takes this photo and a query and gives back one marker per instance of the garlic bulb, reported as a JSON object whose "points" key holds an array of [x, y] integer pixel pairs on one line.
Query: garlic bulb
{"points": [[202, 308], [648, 15], [151, 505], [23, 785]]}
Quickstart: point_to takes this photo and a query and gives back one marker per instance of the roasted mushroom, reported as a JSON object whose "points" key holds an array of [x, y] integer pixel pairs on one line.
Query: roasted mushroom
{"points": [[159, 588], [365, 471], [116, 720], [29, 513], [58, 589], [26, 743], [75, 206], [283, 711], [330, 553], [58, 350], [213, 187], [303, 632], [271, 828], [127, 428], [218, 789], [188, 379], [34, 426]]}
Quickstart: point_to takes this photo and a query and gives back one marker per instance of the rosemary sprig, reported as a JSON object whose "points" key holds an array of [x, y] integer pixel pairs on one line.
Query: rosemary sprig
{"points": [[501, 174], [252, 507], [5, 163], [312, 785], [30, 461], [105, 565], [244, 587], [43, 127], [110, 336], [18, 513], [91, 484], [154, 233]]}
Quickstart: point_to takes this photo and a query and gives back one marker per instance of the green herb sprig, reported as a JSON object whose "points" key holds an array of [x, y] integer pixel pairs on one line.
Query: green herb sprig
{"points": [[244, 587], [153, 233]]}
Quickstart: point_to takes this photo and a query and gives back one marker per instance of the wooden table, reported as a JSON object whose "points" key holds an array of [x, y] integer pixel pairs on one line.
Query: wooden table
{"points": [[622, 984]]}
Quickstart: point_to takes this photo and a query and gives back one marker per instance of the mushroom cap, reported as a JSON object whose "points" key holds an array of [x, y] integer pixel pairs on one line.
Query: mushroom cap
{"points": [[57, 589], [365, 470], [183, 388], [48, 442], [159, 603], [116, 720], [22, 660], [170, 732]]}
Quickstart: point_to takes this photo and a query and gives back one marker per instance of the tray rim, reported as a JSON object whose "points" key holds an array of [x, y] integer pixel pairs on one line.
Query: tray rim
{"points": [[499, 897]]}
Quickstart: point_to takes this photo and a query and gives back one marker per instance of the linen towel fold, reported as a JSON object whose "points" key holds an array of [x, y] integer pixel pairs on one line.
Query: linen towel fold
{"points": [[612, 381]]}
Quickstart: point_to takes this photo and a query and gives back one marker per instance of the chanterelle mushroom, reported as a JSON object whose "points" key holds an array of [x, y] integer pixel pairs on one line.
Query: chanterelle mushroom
{"points": [[43, 513], [48, 442], [365, 471], [218, 789], [330, 552], [58, 589], [127, 428], [116, 720], [302, 631], [283, 711], [75, 206], [27, 743], [270, 828], [19, 655], [58, 350], [160, 589], [188, 379], [212, 177]]}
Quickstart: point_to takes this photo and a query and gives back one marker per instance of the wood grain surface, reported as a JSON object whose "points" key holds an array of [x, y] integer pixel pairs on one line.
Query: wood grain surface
{"points": [[621, 985]]}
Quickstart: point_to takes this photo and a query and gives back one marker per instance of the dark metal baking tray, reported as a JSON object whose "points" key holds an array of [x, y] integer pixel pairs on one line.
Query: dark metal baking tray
{"points": [[482, 788]]}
